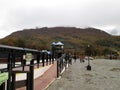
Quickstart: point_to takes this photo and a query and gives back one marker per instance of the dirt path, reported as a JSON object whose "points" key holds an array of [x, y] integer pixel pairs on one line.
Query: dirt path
{"points": [[105, 75]]}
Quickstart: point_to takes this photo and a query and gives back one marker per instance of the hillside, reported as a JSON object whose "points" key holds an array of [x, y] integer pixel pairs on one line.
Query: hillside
{"points": [[76, 38]]}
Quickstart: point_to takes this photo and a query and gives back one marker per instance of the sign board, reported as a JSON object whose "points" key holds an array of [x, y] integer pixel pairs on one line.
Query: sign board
{"points": [[3, 77], [28, 57]]}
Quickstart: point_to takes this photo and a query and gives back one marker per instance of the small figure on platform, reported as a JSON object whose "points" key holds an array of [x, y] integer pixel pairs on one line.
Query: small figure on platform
{"points": [[81, 59], [70, 59], [75, 57]]}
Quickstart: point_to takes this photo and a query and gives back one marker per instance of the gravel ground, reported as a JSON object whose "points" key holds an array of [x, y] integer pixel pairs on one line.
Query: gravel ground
{"points": [[105, 75]]}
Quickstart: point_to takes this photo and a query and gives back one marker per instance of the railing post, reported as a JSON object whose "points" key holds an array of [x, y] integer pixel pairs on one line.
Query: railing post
{"points": [[50, 58], [38, 60], [9, 67], [13, 80], [31, 75], [46, 59], [57, 68], [43, 59], [28, 81], [23, 61], [2, 87], [13, 59]]}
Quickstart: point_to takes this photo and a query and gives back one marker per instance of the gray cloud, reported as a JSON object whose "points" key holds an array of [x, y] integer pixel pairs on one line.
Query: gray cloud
{"points": [[18, 15], [114, 32]]}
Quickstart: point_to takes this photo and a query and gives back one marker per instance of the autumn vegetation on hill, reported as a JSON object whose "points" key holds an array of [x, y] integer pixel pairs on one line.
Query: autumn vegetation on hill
{"points": [[74, 39]]}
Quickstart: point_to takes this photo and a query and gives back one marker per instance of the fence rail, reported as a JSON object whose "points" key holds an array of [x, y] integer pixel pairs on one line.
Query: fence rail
{"points": [[63, 63], [15, 57]]}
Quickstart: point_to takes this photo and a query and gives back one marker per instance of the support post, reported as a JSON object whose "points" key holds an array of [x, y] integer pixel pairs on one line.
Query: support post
{"points": [[38, 60], [9, 70], [50, 59], [2, 87], [31, 75], [57, 68], [13, 80], [46, 59], [43, 59], [28, 81]]}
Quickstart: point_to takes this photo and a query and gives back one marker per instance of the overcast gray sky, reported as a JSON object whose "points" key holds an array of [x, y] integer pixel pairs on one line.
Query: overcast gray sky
{"points": [[21, 14]]}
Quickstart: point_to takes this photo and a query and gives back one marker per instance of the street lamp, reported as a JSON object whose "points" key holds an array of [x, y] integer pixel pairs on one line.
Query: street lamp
{"points": [[88, 55]]}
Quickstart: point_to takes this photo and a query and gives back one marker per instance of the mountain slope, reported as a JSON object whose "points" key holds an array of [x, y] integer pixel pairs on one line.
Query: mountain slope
{"points": [[41, 38]]}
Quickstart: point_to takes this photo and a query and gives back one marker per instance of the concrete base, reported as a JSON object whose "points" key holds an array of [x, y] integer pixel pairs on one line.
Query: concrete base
{"points": [[88, 67]]}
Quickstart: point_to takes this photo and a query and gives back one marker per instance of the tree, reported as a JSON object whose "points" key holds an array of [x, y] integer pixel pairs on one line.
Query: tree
{"points": [[20, 42]]}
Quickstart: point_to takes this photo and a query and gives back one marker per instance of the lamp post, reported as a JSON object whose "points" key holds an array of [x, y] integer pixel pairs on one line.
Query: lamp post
{"points": [[88, 55]]}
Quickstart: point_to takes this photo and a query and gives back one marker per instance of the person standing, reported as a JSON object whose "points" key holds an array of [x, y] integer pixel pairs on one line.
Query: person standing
{"points": [[75, 57]]}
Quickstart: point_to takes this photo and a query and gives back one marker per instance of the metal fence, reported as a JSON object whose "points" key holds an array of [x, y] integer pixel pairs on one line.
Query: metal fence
{"points": [[63, 63], [16, 57]]}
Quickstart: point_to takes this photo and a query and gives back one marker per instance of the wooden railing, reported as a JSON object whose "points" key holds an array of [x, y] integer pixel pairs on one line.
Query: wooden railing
{"points": [[14, 57]]}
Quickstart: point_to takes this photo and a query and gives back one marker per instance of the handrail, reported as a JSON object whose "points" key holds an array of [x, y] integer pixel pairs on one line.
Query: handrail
{"points": [[62, 64], [13, 54], [10, 47], [18, 48]]}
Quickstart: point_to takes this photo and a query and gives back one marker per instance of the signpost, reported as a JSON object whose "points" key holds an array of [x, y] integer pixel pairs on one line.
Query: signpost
{"points": [[88, 54], [28, 57]]}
